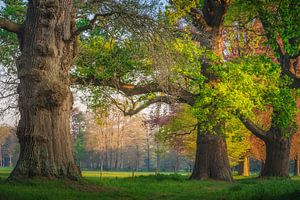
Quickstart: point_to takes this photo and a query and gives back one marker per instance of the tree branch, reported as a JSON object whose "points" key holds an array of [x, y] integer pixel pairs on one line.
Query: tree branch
{"points": [[181, 133], [253, 128], [131, 90], [127, 89], [198, 17], [10, 26], [165, 99], [91, 23]]}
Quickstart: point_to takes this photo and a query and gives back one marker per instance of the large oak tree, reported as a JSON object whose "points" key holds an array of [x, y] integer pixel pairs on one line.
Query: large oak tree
{"points": [[48, 46]]}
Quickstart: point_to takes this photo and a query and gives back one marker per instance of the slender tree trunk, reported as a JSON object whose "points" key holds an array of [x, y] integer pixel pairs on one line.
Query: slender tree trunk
{"points": [[262, 166], [148, 150], [277, 156], [10, 160], [1, 156], [157, 158], [177, 165], [244, 167], [297, 166], [45, 99], [240, 168], [211, 158]]}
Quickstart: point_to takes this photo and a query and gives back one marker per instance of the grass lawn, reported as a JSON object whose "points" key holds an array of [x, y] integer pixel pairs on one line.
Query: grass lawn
{"points": [[146, 186]]}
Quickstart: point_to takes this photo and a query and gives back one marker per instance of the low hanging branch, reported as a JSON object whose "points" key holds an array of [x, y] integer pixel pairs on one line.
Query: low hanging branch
{"points": [[258, 132], [127, 89], [131, 90], [146, 104], [10, 26], [182, 133]]}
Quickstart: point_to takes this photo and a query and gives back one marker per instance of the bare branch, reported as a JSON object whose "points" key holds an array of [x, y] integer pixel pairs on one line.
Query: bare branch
{"points": [[91, 23], [181, 133], [10, 26]]}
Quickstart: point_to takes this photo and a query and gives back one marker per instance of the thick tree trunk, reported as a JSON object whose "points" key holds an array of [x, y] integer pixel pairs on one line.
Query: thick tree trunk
{"points": [[211, 158], [45, 99], [244, 167], [277, 156], [297, 166]]}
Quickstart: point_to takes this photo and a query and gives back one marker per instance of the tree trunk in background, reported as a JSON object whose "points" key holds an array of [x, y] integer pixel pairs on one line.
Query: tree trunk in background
{"points": [[277, 156], [244, 167], [211, 158], [10, 160], [157, 158], [148, 150], [240, 168], [45, 99], [1, 157], [262, 166], [297, 166]]}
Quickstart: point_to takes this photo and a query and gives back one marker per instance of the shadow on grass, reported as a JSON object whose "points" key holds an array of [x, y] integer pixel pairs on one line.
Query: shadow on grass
{"points": [[292, 196]]}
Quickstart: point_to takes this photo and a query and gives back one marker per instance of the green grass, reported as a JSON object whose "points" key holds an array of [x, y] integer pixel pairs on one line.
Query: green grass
{"points": [[146, 186]]}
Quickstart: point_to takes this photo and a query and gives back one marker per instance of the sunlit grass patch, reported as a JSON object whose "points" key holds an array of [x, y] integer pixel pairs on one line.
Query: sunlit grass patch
{"points": [[148, 186]]}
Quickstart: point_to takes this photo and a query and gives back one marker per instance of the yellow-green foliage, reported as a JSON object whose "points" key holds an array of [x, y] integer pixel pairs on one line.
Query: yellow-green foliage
{"points": [[237, 141], [179, 9], [184, 122]]}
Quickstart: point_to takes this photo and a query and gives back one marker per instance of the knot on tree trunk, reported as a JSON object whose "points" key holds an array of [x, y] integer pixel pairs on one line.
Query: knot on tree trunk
{"points": [[44, 49], [51, 94]]}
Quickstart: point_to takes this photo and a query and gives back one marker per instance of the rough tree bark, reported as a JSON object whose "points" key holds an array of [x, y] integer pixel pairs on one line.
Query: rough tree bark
{"points": [[211, 158], [45, 99], [277, 156], [277, 148]]}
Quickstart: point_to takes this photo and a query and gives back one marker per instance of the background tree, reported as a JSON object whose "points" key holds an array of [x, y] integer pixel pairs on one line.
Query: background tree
{"points": [[8, 146], [78, 128], [279, 23]]}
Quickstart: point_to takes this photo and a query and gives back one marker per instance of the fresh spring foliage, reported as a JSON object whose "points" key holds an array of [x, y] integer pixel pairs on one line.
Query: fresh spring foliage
{"points": [[280, 19], [183, 125], [241, 85]]}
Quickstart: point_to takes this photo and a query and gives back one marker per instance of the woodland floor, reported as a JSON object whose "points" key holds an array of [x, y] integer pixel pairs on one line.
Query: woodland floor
{"points": [[145, 186]]}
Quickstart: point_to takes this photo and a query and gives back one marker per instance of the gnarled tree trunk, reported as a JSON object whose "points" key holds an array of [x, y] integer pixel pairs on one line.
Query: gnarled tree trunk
{"points": [[277, 155], [211, 158], [45, 99]]}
